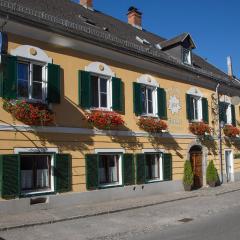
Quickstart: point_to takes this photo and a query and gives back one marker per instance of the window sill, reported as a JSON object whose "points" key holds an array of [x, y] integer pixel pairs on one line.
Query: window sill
{"points": [[104, 186], [149, 115], [100, 109], [38, 193], [154, 181]]}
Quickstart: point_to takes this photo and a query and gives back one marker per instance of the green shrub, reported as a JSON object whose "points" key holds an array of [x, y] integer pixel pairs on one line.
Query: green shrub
{"points": [[188, 174], [212, 175]]}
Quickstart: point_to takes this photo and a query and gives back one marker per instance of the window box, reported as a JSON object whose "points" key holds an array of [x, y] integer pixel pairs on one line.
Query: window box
{"points": [[231, 131], [29, 113], [199, 128], [152, 125], [104, 119]]}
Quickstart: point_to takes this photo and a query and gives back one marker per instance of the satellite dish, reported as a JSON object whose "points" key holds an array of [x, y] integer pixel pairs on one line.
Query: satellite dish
{"points": [[235, 100]]}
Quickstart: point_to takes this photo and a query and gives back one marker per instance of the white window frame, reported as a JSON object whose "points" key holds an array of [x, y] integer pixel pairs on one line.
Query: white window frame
{"points": [[39, 151], [160, 166], [229, 114], [154, 101], [30, 80], [119, 152], [199, 108], [187, 52]]}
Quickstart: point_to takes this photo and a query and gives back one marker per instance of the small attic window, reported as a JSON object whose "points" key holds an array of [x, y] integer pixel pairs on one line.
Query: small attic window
{"points": [[143, 41], [187, 56]]}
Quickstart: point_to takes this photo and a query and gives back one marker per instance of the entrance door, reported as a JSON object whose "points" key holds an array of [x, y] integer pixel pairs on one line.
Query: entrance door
{"points": [[229, 165], [196, 161]]}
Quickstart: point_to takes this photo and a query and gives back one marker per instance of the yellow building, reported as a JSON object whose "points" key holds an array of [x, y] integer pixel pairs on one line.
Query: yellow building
{"points": [[66, 65]]}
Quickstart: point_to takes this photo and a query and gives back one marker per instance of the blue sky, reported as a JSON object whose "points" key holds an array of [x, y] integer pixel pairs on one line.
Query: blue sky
{"points": [[213, 24]]}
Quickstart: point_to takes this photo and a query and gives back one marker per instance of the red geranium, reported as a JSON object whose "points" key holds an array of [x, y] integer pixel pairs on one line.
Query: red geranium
{"points": [[29, 113], [104, 119], [231, 131], [199, 128], [153, 125]]}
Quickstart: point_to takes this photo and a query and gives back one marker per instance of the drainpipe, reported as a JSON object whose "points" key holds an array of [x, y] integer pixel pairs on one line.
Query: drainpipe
{"points": [[219, 135]]}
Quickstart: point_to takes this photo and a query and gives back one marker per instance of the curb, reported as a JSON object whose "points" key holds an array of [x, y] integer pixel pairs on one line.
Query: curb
{"points": [[92, 215]]}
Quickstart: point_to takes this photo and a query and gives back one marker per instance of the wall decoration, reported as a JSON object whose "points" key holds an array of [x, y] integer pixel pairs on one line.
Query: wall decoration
{"points": [[174, 104]]}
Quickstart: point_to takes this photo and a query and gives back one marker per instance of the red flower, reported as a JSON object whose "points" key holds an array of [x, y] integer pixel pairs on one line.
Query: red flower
{"points": [[153, 125], [29, 113], [199, 128], [104, 120], [231, 131]]}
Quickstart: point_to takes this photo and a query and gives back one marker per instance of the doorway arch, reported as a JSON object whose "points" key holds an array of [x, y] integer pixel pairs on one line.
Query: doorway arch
{"points": [[196, 159]]}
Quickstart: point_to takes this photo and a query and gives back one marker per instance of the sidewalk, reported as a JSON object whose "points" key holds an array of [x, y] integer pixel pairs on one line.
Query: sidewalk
{"points": [[50, 216]]}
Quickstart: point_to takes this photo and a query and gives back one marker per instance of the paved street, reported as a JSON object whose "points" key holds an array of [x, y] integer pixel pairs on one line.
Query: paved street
{"points": [[212, 216]]}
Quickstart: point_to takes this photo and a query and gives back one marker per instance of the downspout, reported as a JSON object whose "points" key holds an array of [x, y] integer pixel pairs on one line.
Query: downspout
{"points": [[219, 134]]}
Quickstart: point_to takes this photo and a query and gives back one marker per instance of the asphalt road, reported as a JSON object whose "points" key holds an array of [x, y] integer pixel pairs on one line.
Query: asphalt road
{"points": [[222, 226], [213, 217]]}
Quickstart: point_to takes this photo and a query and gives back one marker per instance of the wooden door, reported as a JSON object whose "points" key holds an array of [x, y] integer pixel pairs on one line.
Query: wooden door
{"points": [[196, 161]]}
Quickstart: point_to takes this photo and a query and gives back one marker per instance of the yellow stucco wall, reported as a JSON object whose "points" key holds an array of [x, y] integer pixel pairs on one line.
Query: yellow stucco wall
{"points": [[68, 114]]}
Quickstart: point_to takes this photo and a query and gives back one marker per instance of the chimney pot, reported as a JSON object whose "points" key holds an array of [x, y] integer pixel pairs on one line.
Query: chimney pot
{"points": [[135, 17], [229, 65], [87, 3]]}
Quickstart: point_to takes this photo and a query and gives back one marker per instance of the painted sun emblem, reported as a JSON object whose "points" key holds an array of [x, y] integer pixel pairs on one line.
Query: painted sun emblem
{"points": [[174, 104]]}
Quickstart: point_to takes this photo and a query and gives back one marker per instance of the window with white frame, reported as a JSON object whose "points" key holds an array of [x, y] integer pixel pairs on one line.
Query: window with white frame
{"points": [[196, 103], [31, 80], [153, 167], [187, 56], [100, 91], [148, 100], [228, 114], [109, 169], [36, 172]]}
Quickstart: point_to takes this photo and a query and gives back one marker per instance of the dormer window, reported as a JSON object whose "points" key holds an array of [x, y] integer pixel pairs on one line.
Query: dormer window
{"points": [[187, 56]]}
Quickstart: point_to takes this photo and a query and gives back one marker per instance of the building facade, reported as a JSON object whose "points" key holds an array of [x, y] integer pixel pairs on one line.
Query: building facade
{"points": [[67, 70]]}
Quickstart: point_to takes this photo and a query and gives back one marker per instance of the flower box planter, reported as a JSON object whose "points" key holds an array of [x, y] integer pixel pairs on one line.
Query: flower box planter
{"points": [[231, 131], [199, 129], [104, 119], [152, 125], [29, 113]]}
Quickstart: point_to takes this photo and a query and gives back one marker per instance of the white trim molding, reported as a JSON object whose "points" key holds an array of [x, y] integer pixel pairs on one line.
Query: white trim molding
{"points": [[31, 52], [92, 132], [148, 80], [109, 150], [195, 92], [100, 68], [152, 150], [35, 150]]}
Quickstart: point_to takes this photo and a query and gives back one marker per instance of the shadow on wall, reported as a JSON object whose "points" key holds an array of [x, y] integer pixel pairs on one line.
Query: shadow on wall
{"points": [[167, 141], [211, 144]]}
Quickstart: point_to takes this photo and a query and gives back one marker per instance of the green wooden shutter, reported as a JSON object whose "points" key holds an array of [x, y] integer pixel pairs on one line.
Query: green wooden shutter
{"points": [[128, 169], [92, 171], [205, 110], [189, 107], [84, 89], [62, 173], [233, 115], [54, 82], [137, 98], [9, 77], [223, 112], [167, 166], [117, 94], [162, 103], [140, 158], [10, 176]]}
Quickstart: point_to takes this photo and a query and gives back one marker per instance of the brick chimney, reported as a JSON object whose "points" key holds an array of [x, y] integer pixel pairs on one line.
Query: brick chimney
{"points": [[135, 17], [229, 66], [87, 3]]}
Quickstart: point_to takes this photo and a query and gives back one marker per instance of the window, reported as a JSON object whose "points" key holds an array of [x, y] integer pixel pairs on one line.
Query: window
{"points": [[187, 56], [35, 172], [31, 80], [100, 92], [196, 103], [109, 169], [229, 114], [153, 168], [148, 97]]}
